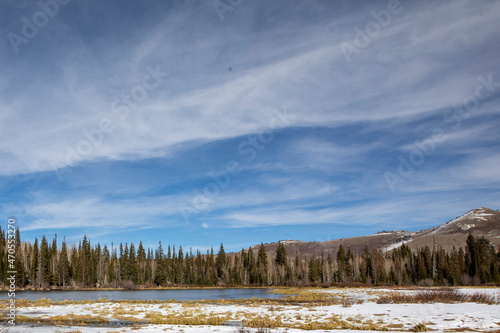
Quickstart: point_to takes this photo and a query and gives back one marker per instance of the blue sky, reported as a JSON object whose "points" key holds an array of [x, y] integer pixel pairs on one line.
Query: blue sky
{"points": [[199, 122]]}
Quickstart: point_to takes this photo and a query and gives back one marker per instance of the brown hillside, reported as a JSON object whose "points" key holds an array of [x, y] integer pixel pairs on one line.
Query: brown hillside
{"points": [[480, 222]]}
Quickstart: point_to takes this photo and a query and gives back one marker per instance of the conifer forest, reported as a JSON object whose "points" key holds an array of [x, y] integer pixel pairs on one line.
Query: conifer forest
{"points": [[44, 264]]}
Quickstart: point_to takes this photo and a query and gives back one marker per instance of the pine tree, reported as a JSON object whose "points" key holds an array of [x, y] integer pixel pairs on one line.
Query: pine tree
{"points": [[54, 261], [133, 265], [178, 267], [124, 263], [220, 263], [253, 274], [211, 269], [85, 269], [349, 269], [44, 262], [237, 269], [111, 269], [101, 265], [19, 262], [314, 270], [262, 265], [73, 264], [63, 268], [281, 255], [200, 269], [281, 263], [34, 264], [161, 270], [168, 265], [143, 275], [472, 256]]}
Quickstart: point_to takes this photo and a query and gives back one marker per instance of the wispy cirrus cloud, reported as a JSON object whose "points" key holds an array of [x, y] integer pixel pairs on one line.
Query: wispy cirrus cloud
{"points": [[346, 123], [236, 104]]}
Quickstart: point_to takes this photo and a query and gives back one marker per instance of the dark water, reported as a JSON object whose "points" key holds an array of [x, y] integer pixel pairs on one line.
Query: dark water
{"points": [[161, 295]]}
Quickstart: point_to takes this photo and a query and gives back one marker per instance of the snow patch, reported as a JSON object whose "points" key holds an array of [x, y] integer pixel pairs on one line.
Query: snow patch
{"points": [[290, 241], [467, 226], [397, 245]]}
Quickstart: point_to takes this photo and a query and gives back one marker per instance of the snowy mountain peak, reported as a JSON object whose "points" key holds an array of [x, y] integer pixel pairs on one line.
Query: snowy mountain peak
{"points": [[472, 219]]}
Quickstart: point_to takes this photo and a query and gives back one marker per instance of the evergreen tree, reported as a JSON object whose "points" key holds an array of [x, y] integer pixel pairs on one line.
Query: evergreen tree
{"points": [[314, 270], [178, 263], [161, 269], [262, 265], [349, 269], [253, 274], [133, 265], [63, 267], [143, 272], [44, 261], [34, 265], [281, 263], [281, 255], [19, 262], [220, 263], [472, 256], [211, 269]]}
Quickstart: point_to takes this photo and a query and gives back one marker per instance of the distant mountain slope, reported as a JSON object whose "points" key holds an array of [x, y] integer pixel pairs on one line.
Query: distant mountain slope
{"points": [[480, 222]]}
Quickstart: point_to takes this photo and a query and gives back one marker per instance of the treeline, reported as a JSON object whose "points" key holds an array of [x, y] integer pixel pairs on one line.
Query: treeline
{"points": [[43, 265]]}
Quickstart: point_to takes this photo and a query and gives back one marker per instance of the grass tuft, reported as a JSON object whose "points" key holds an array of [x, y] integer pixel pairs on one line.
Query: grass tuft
{"points": [[439, 296], [420, 327]]}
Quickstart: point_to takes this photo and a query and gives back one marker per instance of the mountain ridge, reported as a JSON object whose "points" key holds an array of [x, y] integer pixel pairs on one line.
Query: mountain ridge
{"points": [[481, 221]]}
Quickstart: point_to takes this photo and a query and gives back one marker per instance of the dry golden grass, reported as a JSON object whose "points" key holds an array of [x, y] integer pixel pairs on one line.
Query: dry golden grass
{"points": [[439, 296], [122, 311], [195, 317], [420, 327], [77, 320], [315, 296]]}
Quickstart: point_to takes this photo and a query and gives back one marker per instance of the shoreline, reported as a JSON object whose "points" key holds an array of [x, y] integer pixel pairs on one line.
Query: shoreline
{"points": [[5, 288], [409, 287]]}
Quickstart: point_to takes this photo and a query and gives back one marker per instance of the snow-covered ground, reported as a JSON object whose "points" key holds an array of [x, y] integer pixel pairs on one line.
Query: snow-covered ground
{"points": [[160, 328], [360, 308]]}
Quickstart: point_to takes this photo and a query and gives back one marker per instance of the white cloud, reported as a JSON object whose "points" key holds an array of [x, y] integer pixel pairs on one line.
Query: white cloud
{"points": [[306, 74], [98, 212]]}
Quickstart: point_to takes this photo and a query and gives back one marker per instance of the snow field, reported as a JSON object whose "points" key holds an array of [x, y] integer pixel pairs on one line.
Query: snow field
{"points": [[359, 310]]}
